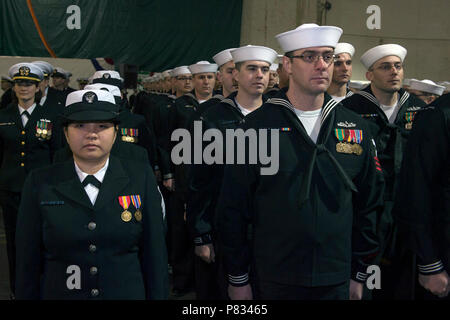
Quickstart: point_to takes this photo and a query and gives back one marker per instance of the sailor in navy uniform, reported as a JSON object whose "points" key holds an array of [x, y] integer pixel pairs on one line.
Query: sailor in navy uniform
{"points": [[342, 72], [29, 137], [91, 227]]}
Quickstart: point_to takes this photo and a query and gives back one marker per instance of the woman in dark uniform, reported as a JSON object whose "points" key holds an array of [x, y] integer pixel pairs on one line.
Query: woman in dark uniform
{"points": [[28, 139], [91, 227]]}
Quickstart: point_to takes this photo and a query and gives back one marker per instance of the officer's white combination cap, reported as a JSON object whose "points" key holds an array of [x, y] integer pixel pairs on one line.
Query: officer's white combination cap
{"points": [[106, 74], [427, 86], [26, 71], [108, 77], [223, 57], [46, 67], [106, 87], [203, 67], [309, 35], [254, 53], [376, 53], [344, 47], [90, 105], [180, 70], [80, 96]]}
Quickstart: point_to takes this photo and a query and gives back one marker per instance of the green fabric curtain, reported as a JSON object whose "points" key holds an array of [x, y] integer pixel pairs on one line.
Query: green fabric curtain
{"points": [[152, 34]]}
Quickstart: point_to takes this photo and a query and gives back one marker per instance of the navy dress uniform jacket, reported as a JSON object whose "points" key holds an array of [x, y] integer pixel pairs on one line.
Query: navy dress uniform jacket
{"points": [[423, 201], [20, 149], [58, 227], [313, 222]]}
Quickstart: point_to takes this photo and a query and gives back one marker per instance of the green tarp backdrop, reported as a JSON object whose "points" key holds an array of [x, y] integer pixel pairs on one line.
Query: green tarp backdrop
{"points": [[152, 34]]}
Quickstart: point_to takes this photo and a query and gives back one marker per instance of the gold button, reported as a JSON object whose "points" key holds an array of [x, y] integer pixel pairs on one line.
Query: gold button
{"points": [[23, 132], [23, 142], [22, 164], [22, 154]]}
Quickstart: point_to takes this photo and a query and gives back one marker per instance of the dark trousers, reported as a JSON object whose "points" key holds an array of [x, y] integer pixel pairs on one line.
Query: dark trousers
{"points": [[181, 246], [210, 278], [10, 206], [274, 291]]}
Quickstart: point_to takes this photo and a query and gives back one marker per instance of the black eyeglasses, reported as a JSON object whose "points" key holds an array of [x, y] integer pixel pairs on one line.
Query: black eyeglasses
{"points": [[327, 57], [385, 67]]}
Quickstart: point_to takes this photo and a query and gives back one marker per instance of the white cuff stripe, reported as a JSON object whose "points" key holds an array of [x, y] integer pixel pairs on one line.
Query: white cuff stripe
{"points": [[431, 267], [238, 279], [361, 276]]}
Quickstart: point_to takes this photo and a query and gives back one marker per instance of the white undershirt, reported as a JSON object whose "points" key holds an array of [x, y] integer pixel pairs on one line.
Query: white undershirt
{"points": [[311, 122], [243, 110], [201, 101], [91, 190], [44, 97], [390, 112], [338, 99], [24, 117]]}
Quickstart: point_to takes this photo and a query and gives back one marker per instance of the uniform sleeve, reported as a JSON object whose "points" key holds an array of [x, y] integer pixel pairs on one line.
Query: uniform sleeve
{"points": [[154, 252], [234, 216], [29, 243], [425, 160], [203, 189], [367, 205]]}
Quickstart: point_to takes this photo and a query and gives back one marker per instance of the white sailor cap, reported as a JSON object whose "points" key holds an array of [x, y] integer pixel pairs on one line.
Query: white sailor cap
{"points": [[258, 53], [381, 51], [109, 77], [446, 84], [203, 67], [344, 47], [46, 67], [274, 67], [427, 86], [166, 74], [223, 57], [180, 70], [90, 105], [309, 35], [26, 71], [357, 84]]}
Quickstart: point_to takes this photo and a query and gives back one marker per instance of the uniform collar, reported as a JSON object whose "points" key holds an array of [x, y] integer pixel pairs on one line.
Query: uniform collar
{"points": [[29, 110], [327, 107], [368, 94], [100, 174]]}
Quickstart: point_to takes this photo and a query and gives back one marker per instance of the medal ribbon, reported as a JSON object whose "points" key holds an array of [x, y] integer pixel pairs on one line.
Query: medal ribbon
{"points": [[136, 199], [124, 202]]}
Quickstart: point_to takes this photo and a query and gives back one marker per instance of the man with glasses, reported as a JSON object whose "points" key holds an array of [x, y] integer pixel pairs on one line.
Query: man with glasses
{"points": [[342, 73], [313, 221], [390, 112]]}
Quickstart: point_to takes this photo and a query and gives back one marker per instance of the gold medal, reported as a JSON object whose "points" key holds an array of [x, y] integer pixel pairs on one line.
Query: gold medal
{"points": [[38, 135], [39, 130], [408, 126], [44, 135], [126, 216], [44, 131], [357, 149], [138, 215], [131, 139], [344, 147]]}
